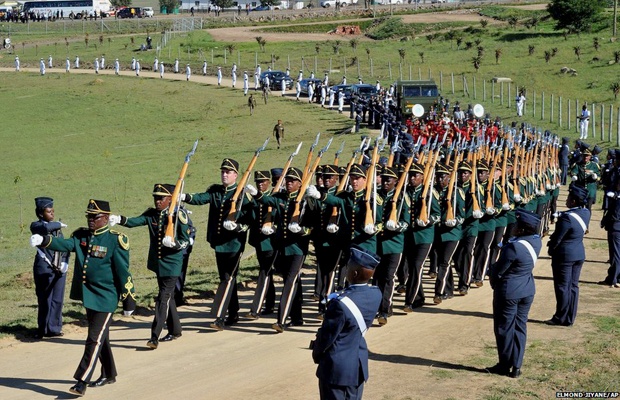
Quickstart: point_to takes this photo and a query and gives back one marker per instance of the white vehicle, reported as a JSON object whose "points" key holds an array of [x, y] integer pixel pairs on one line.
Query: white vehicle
{"points": [[384, 2], [437, 1], [76, 9], [332, 3], [147, 12]]}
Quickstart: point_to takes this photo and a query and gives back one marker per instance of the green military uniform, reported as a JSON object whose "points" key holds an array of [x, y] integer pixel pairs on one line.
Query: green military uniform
{"points": [[486, 227], [586, 175], [101, 278]]}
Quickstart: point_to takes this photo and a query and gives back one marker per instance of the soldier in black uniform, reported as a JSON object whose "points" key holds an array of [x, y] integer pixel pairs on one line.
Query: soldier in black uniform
{"points": [[226, 237], [99, 287], [49, 271], [165, 258]]}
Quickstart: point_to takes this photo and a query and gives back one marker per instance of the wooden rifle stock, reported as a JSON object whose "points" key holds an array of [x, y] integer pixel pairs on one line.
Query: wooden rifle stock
{"points": [[399, 187], [371, 180], [474, 183], [503, 177], [428, 174], [268, 218], [174, 202], [241, 186], [451, 186]]}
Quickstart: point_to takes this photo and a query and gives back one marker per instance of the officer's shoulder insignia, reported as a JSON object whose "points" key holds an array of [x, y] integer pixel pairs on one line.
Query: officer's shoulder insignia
{"points": [[407, 199], [435, 194], [183, 216], [123, 240], [462, 193], [79, 232], [379, 200], [510, 185], [249, 196], [522, 180]]}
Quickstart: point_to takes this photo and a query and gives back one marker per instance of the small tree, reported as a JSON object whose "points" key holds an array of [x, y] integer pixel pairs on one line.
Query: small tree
{"points": [[575, 15], [468, 45], [421, 54], [402, 53], [577, 50], [449, 36], [317, 48], [484, 23], [615, 88], [530, 49], [617, 56], [230, 48], [336, 46], [554, 51], [596, 44], [498, 54], [534, 21], [478, 42], [353, 43], [262, 42], [476, 62], [513, 21], [368, 52], [480, 51], [547, 56], [430, 38], [86, 40], [459, 42], [101, 40]]}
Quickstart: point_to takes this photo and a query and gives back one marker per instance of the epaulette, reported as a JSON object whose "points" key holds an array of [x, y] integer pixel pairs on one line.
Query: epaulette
{"points": [[379, 200], [182, 216], [123, 240], [249, 196], [407, 199], [79, 231], [461, 192], [435, 194]]}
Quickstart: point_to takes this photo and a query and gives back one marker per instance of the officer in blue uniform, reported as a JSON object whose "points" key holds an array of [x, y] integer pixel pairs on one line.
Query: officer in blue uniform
{"points": [[101, 277], [340, 349], [568, 254], [513, 293], [49, 271]]}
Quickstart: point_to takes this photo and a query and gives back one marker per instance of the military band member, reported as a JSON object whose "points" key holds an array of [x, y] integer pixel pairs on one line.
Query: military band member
{"points": [[101, 278], [165, 258], [292, 243], [226, 237], [340, 349], [420, 236], [568, 254], [513, 293], [262, 231], [447, 233], [391, 239], [49, 271]]}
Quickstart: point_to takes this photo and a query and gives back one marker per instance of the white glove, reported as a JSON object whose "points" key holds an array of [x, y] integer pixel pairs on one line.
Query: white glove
{"points": [[548, 186], [491, 211], [573, 178], [62, 225], [191, 241], [36, 240], [115, 219], [229, 225], [349, 188], [294, 227], [267, 230], [332, 228], [421, 223], [506, 206], [435, 219], [611, 195], [451, 223], [182, 197], [477, 214], [402, 226], [518, 198], [313, 192], [370, 229], [594, 176], [251, 189], [391, 225], [168, 241], [64, 267]]}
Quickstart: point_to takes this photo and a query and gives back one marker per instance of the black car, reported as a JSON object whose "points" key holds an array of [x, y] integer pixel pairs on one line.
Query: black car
{"points": [[126, 13], [304, 84], [275, 79], [364, 90], [347, 92]]}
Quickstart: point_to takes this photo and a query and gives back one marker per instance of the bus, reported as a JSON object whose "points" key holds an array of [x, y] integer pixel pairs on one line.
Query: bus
{"points": [[79, 8]]}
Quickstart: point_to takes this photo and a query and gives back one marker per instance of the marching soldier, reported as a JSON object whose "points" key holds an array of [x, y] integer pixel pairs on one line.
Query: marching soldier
{"points": [[419, 237], [447, 233], [585, 173], [391, 239], [100, 279], [292, 239], [261, 238], [486, 229], [165, 258], [227, 238]]}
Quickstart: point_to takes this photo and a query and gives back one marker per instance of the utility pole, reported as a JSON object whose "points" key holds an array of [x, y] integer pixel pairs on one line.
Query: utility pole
{"points": [[615, 17]]}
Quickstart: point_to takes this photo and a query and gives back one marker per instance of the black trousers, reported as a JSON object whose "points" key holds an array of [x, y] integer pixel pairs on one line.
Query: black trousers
{"points": [[166, 308], [327, 259], [566, 286], [402, 273], [496, 244], [384, 279], [265, 289], [481, 254], [416, 255], [50, 291], [444, 284], [291, 298], [97, 346], [226, 298], [613, 273], [464, 261], [179, 294]]}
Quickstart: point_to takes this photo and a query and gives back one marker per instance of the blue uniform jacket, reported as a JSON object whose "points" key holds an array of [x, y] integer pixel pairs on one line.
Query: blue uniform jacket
{"points": [[43, 228], [566, 242], [511, 276], [340, 349]]}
